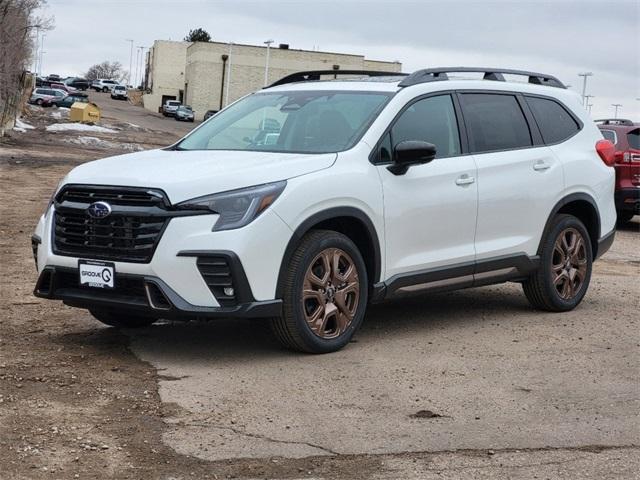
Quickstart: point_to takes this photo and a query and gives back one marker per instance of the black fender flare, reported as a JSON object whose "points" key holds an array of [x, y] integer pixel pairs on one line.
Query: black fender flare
{"points": [[325, 215], [579, 196]]}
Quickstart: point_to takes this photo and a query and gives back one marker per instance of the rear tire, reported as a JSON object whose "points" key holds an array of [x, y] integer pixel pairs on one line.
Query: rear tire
{"points": [[325, 294], [562, 280], [121, 318]]}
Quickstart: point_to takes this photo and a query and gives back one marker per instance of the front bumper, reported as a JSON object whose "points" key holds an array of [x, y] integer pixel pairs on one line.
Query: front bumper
{"points": [[628, 199], [145, 294], [254, 255]]}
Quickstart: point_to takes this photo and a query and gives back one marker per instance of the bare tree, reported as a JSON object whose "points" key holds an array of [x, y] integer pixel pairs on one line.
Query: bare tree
{"points": [[17, 20], [109, 70]]}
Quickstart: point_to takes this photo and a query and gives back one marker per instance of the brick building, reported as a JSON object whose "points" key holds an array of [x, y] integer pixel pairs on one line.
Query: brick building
{"points": [[210, 75]]}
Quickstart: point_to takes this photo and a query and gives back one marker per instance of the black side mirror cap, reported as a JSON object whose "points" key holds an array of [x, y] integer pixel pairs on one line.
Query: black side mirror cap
{"points": [[411, 152]]}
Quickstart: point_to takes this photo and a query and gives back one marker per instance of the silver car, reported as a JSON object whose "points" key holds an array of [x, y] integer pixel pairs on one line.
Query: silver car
{"points": [[42, 95], [184, 113]]}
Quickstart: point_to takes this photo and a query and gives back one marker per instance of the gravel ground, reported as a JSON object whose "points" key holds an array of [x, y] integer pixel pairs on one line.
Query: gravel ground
{"points": [[471, 384]]}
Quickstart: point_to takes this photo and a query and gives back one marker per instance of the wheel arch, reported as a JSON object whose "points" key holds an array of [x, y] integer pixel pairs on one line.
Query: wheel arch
{"points": [[349, 221], [583, 207]]}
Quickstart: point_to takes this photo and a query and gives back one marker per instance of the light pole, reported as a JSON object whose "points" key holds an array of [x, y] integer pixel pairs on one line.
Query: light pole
{"points": [[589, 106], [587, 98], [226, 93], [35, 56], [584, 84], [266, 64], [41, 53], [616, 106], [130, 40]]}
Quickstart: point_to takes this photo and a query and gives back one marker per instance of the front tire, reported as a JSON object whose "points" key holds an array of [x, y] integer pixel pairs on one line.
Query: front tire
{"points": [[566, 261], [325, 294], [121, 318], [105, 89]]}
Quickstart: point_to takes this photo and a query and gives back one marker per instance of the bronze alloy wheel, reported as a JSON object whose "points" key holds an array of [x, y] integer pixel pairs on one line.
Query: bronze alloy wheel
{"points": [[569, 263], [330, 293]]}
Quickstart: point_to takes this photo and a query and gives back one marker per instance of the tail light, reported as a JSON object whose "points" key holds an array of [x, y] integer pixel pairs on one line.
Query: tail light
{"points": [[607, 152], [629, 157]]}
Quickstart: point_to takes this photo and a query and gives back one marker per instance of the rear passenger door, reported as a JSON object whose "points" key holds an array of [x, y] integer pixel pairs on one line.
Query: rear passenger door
{"points": [[518, 176]]}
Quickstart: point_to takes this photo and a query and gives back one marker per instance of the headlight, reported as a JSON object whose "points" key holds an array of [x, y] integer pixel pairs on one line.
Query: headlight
{"points": [[237, 208]]}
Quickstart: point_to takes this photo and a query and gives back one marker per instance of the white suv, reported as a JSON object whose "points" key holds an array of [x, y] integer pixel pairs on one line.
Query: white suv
{"points": [[308, 200]]}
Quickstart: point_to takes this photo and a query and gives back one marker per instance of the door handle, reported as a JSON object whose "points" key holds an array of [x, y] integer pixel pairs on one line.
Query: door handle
{"points": [[541, 165], [465, 180]]}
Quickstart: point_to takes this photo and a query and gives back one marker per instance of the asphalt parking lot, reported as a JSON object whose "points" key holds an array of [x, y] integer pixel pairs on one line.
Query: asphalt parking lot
{"points": [[470, 384]]}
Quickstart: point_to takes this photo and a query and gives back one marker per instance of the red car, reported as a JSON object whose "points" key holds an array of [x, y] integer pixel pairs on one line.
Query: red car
{"points": [[625, 135]]}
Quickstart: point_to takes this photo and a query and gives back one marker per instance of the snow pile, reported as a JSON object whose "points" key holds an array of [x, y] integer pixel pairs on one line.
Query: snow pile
{"points": [[96, 142], [60, 112], [23, 125], [78, 127]]}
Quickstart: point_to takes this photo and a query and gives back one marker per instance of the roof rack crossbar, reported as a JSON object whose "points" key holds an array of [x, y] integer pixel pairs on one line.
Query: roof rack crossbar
{"points": [[311, 75], [494, 74]]}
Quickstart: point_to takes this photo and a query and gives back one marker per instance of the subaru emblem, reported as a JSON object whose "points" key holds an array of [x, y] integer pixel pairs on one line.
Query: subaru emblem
{"points": [[99, 210]]}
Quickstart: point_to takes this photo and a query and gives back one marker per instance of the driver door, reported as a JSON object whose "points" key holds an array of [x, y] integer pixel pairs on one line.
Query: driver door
{"points": [[430, 211]]}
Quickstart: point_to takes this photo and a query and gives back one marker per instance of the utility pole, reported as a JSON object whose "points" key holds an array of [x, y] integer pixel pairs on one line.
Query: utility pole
{"points": [[226, 94], [584, 84], [266, 64], [616, 106], [130, 40], [589, 106]]}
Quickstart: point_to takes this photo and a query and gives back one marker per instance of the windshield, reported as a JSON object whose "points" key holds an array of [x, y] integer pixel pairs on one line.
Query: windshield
{"points": [[290, 122]]}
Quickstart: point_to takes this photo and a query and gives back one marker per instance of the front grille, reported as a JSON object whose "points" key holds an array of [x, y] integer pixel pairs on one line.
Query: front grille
{"points": [[216, 272], [129, 234]]}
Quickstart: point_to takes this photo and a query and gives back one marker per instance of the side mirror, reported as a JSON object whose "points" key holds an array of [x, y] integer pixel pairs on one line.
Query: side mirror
{"points": [[411, 152]]}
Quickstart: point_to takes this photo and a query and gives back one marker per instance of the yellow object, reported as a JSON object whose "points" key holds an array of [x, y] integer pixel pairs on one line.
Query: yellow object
{"points": [[84, 112]]}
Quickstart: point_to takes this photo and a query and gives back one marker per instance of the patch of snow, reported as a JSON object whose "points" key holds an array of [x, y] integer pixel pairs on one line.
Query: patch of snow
{"points": [[134, 125], [23, 125], [99, 143], [18, 129], [78, 127], [60, 112]]}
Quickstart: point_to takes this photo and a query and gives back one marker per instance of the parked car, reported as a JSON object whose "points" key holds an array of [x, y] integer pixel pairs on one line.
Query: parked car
{"points": [[184, 113], [169, 108], [63, 87], [103, 85], [625, 135], [210, 113], [54, 78], [77, 83], [368, 189], [119, 92], [40, 96], [67, 101]]}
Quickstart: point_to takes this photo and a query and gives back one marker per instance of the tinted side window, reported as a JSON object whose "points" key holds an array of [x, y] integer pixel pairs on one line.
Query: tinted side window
{"points": [[432, 120], [609, 135], [495, 122], [554, 122], [633, 137]]}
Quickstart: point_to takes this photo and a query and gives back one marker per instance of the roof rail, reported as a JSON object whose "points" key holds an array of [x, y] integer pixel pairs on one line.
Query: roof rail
{"points": [[315, 75], [495, 74], [615, 121]]}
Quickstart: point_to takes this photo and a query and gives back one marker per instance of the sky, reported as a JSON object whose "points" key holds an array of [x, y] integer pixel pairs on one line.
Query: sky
{"points": [[562, 38]]}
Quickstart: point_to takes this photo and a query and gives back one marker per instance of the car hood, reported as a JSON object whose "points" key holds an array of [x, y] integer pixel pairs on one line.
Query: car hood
{"points": [[188, 174]]}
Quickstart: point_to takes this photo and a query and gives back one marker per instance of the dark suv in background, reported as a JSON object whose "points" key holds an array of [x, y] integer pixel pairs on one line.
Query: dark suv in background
{"points": [[625, 135]]}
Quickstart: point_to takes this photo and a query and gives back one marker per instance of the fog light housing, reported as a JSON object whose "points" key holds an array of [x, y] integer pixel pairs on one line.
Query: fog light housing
{"points": [[229, 292]]}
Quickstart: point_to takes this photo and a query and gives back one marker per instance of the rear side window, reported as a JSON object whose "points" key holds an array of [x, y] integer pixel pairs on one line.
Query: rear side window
{"points": [[495, 122], [554, 122], [432, 120], [610, 135], [633, 137]]}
